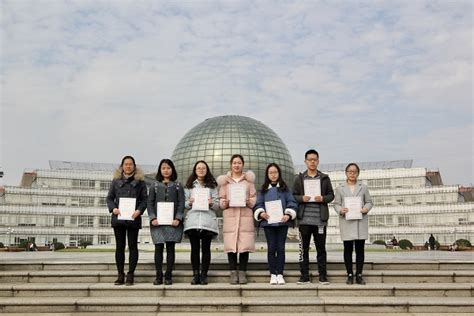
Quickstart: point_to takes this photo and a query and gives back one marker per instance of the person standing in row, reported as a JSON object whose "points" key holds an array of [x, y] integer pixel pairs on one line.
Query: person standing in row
{"points": [[237, 198], [126, 202], [313, 191], [165, 211], [275, 196], [200, 224], [352, 203]]}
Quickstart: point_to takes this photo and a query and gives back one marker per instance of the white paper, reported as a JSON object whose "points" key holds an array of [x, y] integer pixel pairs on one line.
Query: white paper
{"points": [[312, 188], [165, 213], [201, 198], [237, 194], [274, 209], [126, 207], [354, 204]]}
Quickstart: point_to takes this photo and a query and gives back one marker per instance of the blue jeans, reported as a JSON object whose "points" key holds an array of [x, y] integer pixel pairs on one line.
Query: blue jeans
{"points": [[276, 238]]}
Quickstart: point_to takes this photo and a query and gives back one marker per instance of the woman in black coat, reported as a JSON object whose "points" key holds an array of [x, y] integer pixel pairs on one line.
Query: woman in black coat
{"points": [[127, 184]]}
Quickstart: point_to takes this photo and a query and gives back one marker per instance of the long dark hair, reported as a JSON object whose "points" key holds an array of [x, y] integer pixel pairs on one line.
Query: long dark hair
{"points": [[209, 180], [174, 175], [280, 181]]}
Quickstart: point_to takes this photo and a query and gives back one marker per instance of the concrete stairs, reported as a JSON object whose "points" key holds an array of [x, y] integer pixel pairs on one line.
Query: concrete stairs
{"points": [[406, 288]]}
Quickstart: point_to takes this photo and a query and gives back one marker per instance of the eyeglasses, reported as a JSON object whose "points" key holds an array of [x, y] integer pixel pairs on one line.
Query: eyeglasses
{"points": [[312, 160], [352, 171]]}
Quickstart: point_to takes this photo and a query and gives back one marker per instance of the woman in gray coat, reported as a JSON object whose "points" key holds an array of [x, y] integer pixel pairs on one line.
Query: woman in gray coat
{"points": [[165, 189], [200, 223], [354, 227]]}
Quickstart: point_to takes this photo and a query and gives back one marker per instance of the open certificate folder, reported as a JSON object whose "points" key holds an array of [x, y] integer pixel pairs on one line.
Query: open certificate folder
{"points": [[312, 188], [354, 205], [201, 198], [274, 209], [126, 207], [165, 213], [237, 194]]}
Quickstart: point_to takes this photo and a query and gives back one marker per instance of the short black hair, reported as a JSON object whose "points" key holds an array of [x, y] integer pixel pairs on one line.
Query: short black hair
{"points": [[237, 156], [174, 175], [128, 157], [311, 152], [353, 164]]}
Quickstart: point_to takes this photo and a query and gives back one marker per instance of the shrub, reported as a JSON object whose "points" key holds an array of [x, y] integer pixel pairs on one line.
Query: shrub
{"points": [[437, 245], [2, 245], [58, 245], [23, 244], [84, 243], [463, 244], [379, 242], [405, 244]]}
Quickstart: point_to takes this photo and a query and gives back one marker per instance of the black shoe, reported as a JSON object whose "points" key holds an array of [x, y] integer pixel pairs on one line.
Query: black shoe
{"points": [[350, 279], [120, 279], [130, 279], [168, 278], [196, 278], [323, 280], [204, 277], [359, 279], [159, 278], [304, 279]]}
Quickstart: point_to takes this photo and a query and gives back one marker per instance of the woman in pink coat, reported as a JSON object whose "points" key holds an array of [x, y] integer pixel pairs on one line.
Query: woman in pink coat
{"points": [[239, 232]]}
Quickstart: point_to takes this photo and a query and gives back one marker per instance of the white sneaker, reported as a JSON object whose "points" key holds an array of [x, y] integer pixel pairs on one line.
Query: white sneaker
{"points": [[280, 279], [273, 279]]}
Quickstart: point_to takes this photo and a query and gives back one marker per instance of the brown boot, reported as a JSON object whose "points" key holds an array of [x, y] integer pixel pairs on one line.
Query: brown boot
{"points": [[242, 277], [234, 277], [120, 279]]}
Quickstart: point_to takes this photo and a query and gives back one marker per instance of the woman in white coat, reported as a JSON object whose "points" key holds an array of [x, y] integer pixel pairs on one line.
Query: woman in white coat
{"points": [[354, 227]]}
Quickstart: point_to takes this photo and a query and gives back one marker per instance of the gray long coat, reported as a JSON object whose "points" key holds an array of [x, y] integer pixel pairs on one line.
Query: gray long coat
{"points": [[358, 228], [201, 219], [159, 192]]}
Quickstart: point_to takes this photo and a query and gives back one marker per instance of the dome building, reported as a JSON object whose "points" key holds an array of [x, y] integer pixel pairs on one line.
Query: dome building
{"points": [[216, 139]]}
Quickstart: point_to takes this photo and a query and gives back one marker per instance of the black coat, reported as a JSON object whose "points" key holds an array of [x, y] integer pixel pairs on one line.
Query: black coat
{"points": [[130, 188]]}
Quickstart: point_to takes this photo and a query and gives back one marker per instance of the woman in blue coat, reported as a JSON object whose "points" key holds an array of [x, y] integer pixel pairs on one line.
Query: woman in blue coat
{"points": [[275, 189], [165, 189]]}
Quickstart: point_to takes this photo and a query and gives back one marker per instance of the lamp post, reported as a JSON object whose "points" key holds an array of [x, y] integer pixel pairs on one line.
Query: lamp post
{"points": [[10, 231]]}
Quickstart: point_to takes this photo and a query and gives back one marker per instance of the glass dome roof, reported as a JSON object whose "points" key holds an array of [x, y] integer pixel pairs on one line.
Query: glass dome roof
{"points": [[216, 139]]}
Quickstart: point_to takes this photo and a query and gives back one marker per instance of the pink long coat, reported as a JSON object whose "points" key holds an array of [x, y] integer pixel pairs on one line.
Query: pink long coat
{"points": [[238, 230]]}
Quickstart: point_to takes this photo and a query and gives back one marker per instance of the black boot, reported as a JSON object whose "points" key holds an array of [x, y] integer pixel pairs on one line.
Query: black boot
{"points": [[204, 277], [196, 278], [168, 278], [350, 279], [130, 279], [159, 278], [120, 279], [359, 279]]}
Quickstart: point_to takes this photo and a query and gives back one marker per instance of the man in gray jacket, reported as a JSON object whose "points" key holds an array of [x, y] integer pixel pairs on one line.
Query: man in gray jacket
{"points": [[313, 215]]}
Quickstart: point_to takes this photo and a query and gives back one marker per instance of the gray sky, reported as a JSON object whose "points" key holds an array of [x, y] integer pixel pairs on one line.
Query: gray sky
{"points": [[357, 80]]}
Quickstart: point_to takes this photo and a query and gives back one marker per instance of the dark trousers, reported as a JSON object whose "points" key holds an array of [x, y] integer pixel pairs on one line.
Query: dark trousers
{"points": [[276, 238], [306, 231], [360, 256], [198, 242], [170, 257], [121, 233], [243, 260]]}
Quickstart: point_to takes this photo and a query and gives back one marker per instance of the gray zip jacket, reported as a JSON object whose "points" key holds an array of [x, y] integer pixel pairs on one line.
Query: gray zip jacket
{"points": [[201, 219]]}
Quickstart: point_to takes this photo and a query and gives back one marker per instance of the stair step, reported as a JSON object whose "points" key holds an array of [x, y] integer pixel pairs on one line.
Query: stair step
{"points": [[237, 304], [227, 290], [184, 276], [253, 265]]}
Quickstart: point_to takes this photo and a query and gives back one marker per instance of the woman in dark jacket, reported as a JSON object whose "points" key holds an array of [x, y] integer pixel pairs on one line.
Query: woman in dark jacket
{"points": [[166, 189], [128, 182], [275, 189]]}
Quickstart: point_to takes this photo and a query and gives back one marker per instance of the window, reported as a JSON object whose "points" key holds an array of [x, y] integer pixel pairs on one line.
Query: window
{"points": [[58, 221], [104, 240], [104, 221]]}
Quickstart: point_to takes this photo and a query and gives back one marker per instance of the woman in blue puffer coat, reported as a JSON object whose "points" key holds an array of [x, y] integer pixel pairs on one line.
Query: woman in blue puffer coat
{"points": [[275, 191]]}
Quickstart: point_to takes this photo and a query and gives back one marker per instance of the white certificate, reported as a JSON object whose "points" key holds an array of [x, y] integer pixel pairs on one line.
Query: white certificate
{"points": [[237, 194], [312, 188], [126, 208], [354, 204], [201, 198], [165, 213], [274, 209]]}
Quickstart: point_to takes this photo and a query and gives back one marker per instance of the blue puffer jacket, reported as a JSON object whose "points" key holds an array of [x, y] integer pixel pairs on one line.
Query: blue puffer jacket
{"points": [[272, 194]]}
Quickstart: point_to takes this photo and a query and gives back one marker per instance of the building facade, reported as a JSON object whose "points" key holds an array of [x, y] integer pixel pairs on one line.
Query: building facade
{"points": [[66, 203]]}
